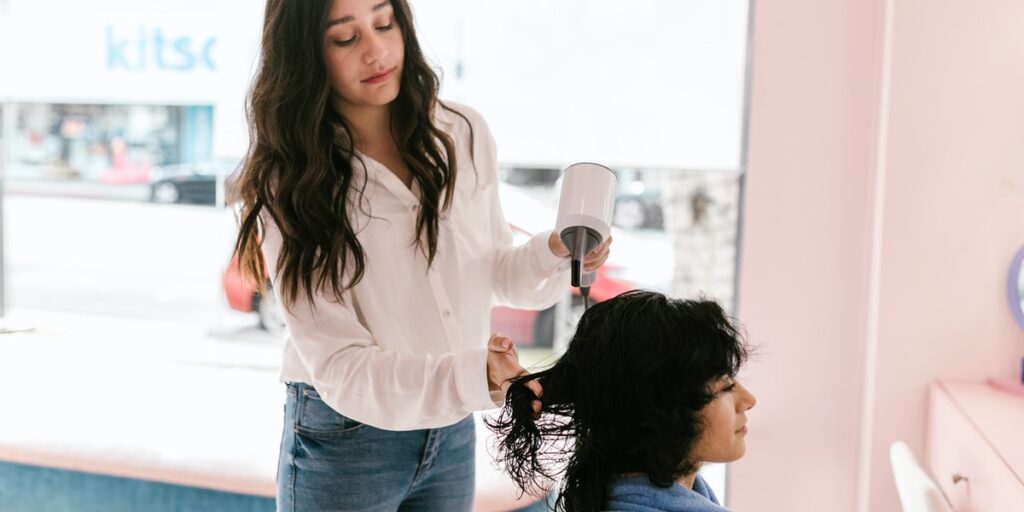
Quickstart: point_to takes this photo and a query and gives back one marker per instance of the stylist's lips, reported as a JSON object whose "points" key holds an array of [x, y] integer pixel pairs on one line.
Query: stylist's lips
{"points": [[742, 430], [380, 77]]}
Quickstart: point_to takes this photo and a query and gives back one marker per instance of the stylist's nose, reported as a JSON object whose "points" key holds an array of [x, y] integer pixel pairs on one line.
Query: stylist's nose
{"points": [[375, 50]]}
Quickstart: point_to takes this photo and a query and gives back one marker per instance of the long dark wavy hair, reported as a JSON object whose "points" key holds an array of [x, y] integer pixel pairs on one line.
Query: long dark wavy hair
{"points": [[625, 398], [299, 167]]}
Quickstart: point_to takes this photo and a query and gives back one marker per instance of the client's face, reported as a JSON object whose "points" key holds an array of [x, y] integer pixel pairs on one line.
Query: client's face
{"points": [[725, 421]]}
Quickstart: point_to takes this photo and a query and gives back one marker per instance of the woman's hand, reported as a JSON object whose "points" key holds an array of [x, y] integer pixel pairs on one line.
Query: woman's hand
{"points": [[503, 366], [595, 259], [502, 362]]}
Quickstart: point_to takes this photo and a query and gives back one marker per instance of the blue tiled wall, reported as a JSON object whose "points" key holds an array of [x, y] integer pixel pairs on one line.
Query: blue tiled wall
{"points": [[36, 489]]}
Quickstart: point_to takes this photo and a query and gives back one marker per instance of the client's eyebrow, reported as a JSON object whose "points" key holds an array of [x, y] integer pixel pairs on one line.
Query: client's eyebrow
{"points": [[347, 19], [722, 383]]}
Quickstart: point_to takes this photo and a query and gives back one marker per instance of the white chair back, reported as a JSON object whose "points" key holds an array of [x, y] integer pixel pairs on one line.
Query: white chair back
{"points": [[918, 492]]}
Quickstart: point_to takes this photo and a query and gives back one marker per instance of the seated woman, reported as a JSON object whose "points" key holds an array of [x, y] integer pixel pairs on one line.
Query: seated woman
{"points": [[645, 394]]}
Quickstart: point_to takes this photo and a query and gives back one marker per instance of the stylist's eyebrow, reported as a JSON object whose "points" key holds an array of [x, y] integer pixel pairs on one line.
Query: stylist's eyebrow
{"points": [[346, 19]]}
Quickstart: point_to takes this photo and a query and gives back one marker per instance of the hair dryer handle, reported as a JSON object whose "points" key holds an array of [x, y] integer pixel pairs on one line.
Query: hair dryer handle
{"points": [[585, 279], [588, 279]]}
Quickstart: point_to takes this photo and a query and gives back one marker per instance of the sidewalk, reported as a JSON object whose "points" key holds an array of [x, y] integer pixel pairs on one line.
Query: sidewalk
{"points": [[80, 189]]}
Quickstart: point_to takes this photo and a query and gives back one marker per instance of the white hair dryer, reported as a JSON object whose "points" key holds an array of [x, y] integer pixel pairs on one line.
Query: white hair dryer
{"points": [[585, 211]]}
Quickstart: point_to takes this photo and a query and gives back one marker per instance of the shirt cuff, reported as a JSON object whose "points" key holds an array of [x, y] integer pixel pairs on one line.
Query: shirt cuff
{"points": [[548, 262], [472, 381]]}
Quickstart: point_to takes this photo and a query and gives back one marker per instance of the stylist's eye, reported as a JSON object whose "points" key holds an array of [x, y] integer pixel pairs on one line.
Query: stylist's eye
{"points": [[345, 42]]}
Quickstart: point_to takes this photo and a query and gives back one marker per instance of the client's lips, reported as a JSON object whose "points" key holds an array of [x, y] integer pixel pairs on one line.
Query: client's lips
{"points": [[380, 77]]}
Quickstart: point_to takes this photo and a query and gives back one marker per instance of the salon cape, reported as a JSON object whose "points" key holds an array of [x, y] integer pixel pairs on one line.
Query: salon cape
{"points": [[406, 348], [638, 494]]}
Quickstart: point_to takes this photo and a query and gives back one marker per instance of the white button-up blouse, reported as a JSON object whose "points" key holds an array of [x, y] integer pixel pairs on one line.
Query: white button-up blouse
{"points": [[406, 349]]}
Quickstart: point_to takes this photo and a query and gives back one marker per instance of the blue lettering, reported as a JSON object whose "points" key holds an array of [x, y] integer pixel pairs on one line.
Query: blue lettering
{"points": [[154, 49], [158, 52], [142, 48], [188, 61], [115, 52], [208, 53]]}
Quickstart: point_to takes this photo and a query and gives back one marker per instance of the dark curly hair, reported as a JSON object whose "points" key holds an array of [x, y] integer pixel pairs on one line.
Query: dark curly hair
{"points": [[299, 171], [624, 398]]}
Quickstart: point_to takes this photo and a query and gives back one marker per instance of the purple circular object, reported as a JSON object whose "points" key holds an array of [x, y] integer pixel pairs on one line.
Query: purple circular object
{"points": [[1013, 291]]}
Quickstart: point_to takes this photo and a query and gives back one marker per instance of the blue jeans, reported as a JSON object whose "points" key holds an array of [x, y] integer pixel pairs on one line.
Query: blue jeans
{"points": [[329, 462]]}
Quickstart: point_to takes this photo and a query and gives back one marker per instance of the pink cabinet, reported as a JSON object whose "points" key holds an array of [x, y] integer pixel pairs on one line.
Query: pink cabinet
{"points": [[975, 446]]}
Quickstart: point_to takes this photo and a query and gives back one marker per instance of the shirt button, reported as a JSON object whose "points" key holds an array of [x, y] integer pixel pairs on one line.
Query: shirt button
{"points": [[447, 313]]}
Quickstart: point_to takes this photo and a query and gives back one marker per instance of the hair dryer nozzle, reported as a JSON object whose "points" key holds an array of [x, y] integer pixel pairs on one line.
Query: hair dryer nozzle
{"points": [[580, 241]]}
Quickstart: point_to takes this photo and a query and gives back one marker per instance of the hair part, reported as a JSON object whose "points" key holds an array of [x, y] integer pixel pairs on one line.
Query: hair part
{"points": [[625, 398]]}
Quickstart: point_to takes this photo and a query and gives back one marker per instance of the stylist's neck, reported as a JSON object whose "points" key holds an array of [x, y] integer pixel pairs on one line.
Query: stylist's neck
{"points": [[371, 125]]}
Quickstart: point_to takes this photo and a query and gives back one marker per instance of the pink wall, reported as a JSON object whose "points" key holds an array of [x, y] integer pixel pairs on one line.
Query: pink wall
{"points": [[954, 210], [834, 386], [805, 258]]}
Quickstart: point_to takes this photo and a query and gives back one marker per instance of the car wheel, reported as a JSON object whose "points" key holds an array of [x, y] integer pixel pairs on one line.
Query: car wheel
{"points": [[629, 214], [271, 319], [655, 218], [166, 193]]}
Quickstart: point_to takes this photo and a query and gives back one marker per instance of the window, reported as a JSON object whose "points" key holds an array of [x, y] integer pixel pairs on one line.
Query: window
{"points": [[114, 160]]}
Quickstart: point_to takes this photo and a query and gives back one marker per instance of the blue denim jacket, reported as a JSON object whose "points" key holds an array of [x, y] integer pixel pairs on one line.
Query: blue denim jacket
{"points": [[638, 494]]}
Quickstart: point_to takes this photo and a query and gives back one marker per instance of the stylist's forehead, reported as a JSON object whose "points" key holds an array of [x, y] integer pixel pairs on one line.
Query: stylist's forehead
{"points": [[345, 11]]}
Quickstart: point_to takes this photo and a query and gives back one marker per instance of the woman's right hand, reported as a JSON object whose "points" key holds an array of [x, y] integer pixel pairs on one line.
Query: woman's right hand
{"points": [[502, 362], [503, 365]]}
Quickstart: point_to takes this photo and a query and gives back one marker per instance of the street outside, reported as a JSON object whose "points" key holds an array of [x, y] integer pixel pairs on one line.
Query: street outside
{"points": [[103, 250], [123, 259], [121, 290]]}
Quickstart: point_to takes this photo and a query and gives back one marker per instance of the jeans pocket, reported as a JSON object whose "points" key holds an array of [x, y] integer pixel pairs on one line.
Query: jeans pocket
{"points": [[318, 420]]}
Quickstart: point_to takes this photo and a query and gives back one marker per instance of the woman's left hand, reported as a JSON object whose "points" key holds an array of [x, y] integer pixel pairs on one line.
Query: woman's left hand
{"points": [[595, 259]]}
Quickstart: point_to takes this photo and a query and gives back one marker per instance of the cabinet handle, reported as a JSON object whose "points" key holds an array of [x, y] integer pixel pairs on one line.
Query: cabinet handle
{"points": [[957, 478]]}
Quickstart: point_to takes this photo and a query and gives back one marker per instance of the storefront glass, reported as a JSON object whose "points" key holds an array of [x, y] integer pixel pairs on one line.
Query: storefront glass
{"points": [[114, 144]]}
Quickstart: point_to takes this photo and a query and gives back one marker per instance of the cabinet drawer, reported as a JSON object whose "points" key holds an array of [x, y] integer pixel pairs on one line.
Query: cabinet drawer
{"points": [[956, 447]]}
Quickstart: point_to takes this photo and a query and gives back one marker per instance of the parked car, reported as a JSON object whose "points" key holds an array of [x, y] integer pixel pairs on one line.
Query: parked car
{"points": [[194, 183], [526, 327], [639, 209], [243, 296], [530, 176], [123, 174]]}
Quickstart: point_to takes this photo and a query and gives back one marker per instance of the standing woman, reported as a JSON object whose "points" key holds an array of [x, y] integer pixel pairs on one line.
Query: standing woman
{"points": [[372, 207]]}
